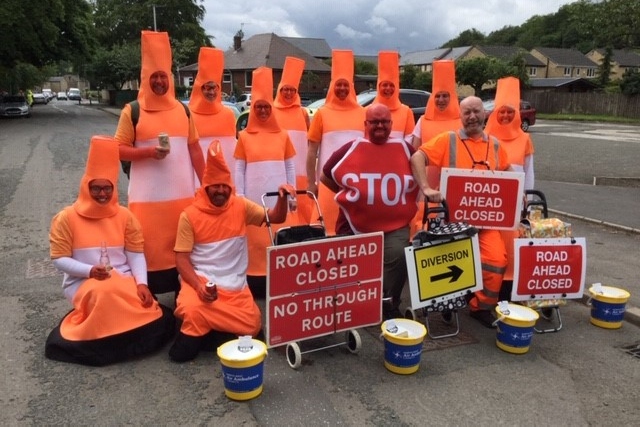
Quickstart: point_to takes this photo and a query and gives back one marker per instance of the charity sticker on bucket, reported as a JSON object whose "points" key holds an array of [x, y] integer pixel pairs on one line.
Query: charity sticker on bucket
{"points": [[514, 329], [242, 367], [608, 305], [403, 340]]}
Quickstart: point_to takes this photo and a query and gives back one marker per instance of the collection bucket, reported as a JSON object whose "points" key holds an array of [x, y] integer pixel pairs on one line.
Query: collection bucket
{"points": [[515, 328], [608, 306], [242, 367], [403, 340]]}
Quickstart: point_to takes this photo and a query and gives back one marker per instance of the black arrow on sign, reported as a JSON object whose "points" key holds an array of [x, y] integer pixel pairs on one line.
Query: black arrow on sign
{"points": [[454, 273]]}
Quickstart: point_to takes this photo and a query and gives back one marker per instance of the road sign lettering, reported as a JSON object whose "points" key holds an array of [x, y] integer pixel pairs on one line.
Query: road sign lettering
{"points": [[481, 202], [321, 275], [473, 217], [546, 284], [444, 258], [479, 187]]}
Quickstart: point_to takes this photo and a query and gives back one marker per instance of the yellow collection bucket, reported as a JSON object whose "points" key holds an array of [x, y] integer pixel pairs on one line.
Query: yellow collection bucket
{"points": [[515, 328], [608, 305], [242, 368], [403, 340]]}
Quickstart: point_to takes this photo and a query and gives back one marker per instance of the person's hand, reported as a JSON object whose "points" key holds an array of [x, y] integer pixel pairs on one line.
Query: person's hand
{"points": [[204, 294], [313, 187], [145, 295], [431, 195], [160, 152], [99, 272], [285, 189]]}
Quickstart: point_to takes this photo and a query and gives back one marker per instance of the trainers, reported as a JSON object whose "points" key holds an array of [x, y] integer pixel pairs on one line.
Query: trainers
{"points": [[447, 317], [484, 317]]}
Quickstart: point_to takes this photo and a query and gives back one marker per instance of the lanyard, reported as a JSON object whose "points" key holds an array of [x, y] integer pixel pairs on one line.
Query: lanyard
{"points": [[484, 162]]}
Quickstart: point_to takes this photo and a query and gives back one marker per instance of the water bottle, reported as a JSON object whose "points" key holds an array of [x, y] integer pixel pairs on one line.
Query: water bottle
{"points": [[104, 258]]}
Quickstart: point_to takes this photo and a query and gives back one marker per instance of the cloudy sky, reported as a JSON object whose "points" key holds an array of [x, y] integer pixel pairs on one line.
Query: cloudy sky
{"points": [[367, 26]]}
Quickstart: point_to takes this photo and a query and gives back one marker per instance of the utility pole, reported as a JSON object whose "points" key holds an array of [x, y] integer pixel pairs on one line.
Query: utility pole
{"points": [[155, 24]]}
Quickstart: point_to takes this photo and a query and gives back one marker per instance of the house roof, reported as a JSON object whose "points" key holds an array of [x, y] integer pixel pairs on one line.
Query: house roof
{"points": [[555, 82], [509, 52], [569, 57], [623, 57], [428, 56], [318, 48], [269, 50]]}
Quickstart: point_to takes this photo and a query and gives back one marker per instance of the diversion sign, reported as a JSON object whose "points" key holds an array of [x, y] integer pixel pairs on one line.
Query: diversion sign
{"points": [[441, 271], [321, 287]]}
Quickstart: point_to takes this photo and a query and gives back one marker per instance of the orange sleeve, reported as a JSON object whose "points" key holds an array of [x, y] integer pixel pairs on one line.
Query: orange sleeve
{"points": [[133, 240], [436, 149], [289, 150], [185, 237], [254, 213], [60, 237], [503, 158], [193, 138], [410, 123], [239, 153], [315, 130], [125, 134]]}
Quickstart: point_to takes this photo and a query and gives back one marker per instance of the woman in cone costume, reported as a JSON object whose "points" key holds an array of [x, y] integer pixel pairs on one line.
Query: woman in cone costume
{"points": [[114, 316]]}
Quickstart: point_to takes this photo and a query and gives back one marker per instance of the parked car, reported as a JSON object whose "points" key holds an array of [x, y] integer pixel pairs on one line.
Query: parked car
{"points": [[413, 98], [14, 106], [243, 102], [73, 94], [48, 94], [527, 113], [62, 96], [40, 98]]}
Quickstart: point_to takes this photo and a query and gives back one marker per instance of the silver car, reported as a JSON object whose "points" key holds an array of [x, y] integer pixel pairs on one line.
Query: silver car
{"points": [[14, 106]]}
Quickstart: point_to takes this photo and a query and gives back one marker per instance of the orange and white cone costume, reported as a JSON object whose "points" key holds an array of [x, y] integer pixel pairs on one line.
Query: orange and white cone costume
{"points": [[334, 124], [213, 120], [108, 322], [264, 160], [294, 118], [434, 122], [401, 115], [517, 143], [159, 190], [216, 239]]}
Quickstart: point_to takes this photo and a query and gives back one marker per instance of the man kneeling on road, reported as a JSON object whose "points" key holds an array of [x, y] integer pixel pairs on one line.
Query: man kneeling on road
{"points": [[376, 192], [211, 247]]}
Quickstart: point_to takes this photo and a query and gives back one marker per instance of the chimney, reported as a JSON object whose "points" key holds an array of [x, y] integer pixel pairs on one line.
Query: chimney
{"points": [[237, 40]]}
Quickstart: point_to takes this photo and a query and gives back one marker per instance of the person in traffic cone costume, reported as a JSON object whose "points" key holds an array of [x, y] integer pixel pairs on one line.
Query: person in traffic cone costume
{"points": [[264, 158], [211, 247], [98, 245], [469, 148], [293, 118], [442, 114], [504, 123], [212, 119], [161, 182], [338, 121], [388, 94]]}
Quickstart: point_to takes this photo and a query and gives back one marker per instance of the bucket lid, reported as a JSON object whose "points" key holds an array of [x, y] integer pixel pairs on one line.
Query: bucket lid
{"points": [[242, 349], [403, 328], [609, 291], [518, 312]]}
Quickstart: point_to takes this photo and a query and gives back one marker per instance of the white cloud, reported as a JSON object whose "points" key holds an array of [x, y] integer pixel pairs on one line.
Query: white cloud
{"points": [[349, 33]]}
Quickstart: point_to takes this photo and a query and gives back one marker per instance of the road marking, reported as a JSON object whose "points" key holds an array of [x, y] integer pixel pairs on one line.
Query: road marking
{"points": [[602, 134]]}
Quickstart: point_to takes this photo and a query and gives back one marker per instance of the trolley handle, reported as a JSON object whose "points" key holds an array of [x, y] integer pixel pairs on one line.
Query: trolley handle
{"points": [[539, 200], [442, 209]]}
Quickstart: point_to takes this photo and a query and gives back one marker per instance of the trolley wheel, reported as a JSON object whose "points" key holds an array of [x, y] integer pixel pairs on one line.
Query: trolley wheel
{"points": [[294, 356], [410, 314], [353, 341]]}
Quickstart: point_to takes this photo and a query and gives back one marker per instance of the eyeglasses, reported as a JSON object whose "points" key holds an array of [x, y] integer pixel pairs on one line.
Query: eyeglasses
{"points": [[378, 122], [289, 89], [96, 189], [210, 87]]}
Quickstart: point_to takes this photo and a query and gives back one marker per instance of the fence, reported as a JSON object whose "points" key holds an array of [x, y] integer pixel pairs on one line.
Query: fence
{"points": [[598, 103]]}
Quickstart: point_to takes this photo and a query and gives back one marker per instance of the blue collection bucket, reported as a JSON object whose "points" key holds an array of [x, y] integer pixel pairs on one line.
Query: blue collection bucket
{"points": [[242, 367], [608, 305], [403, 340], [515, 328]]}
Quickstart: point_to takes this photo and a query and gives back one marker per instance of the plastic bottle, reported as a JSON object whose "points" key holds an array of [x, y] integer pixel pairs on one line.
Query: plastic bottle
{"points": [[104, 258]]}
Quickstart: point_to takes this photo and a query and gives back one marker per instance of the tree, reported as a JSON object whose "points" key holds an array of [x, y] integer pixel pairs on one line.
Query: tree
{"points": [[367, 68], [476, 72], [467, 38], [407, 76], [112, 68], [604, 69], [630, 84]]}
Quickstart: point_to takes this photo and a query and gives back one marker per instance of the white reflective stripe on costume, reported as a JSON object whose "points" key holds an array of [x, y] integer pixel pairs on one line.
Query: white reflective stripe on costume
{"points": [[331, 141], [299, 140], [264, 176], [223, 263], [168, 179]]}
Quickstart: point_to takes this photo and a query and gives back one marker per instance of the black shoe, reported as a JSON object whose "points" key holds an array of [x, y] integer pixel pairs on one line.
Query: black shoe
{"points": [[185, 348], [393, 313], [484, 317], [447, 317]]}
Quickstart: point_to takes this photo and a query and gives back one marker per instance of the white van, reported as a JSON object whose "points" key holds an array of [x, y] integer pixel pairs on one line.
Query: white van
{"points": [[74, 94]]}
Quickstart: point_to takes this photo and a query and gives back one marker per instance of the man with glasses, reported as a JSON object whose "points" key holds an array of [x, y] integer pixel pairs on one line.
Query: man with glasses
{"points": [[375, 191]]}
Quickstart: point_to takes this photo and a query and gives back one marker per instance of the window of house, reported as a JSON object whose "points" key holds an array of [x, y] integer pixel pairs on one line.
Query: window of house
{"points": [[226, 77], [533, 71], [567, 71], [248, 79], [591, 72]]}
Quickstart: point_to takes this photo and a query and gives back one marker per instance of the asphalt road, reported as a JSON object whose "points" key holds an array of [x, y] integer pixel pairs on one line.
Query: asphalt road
{"points": [[579, 376]]}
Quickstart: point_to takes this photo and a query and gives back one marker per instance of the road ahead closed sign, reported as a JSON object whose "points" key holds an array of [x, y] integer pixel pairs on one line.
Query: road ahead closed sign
{"points": [[443, 270]]}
